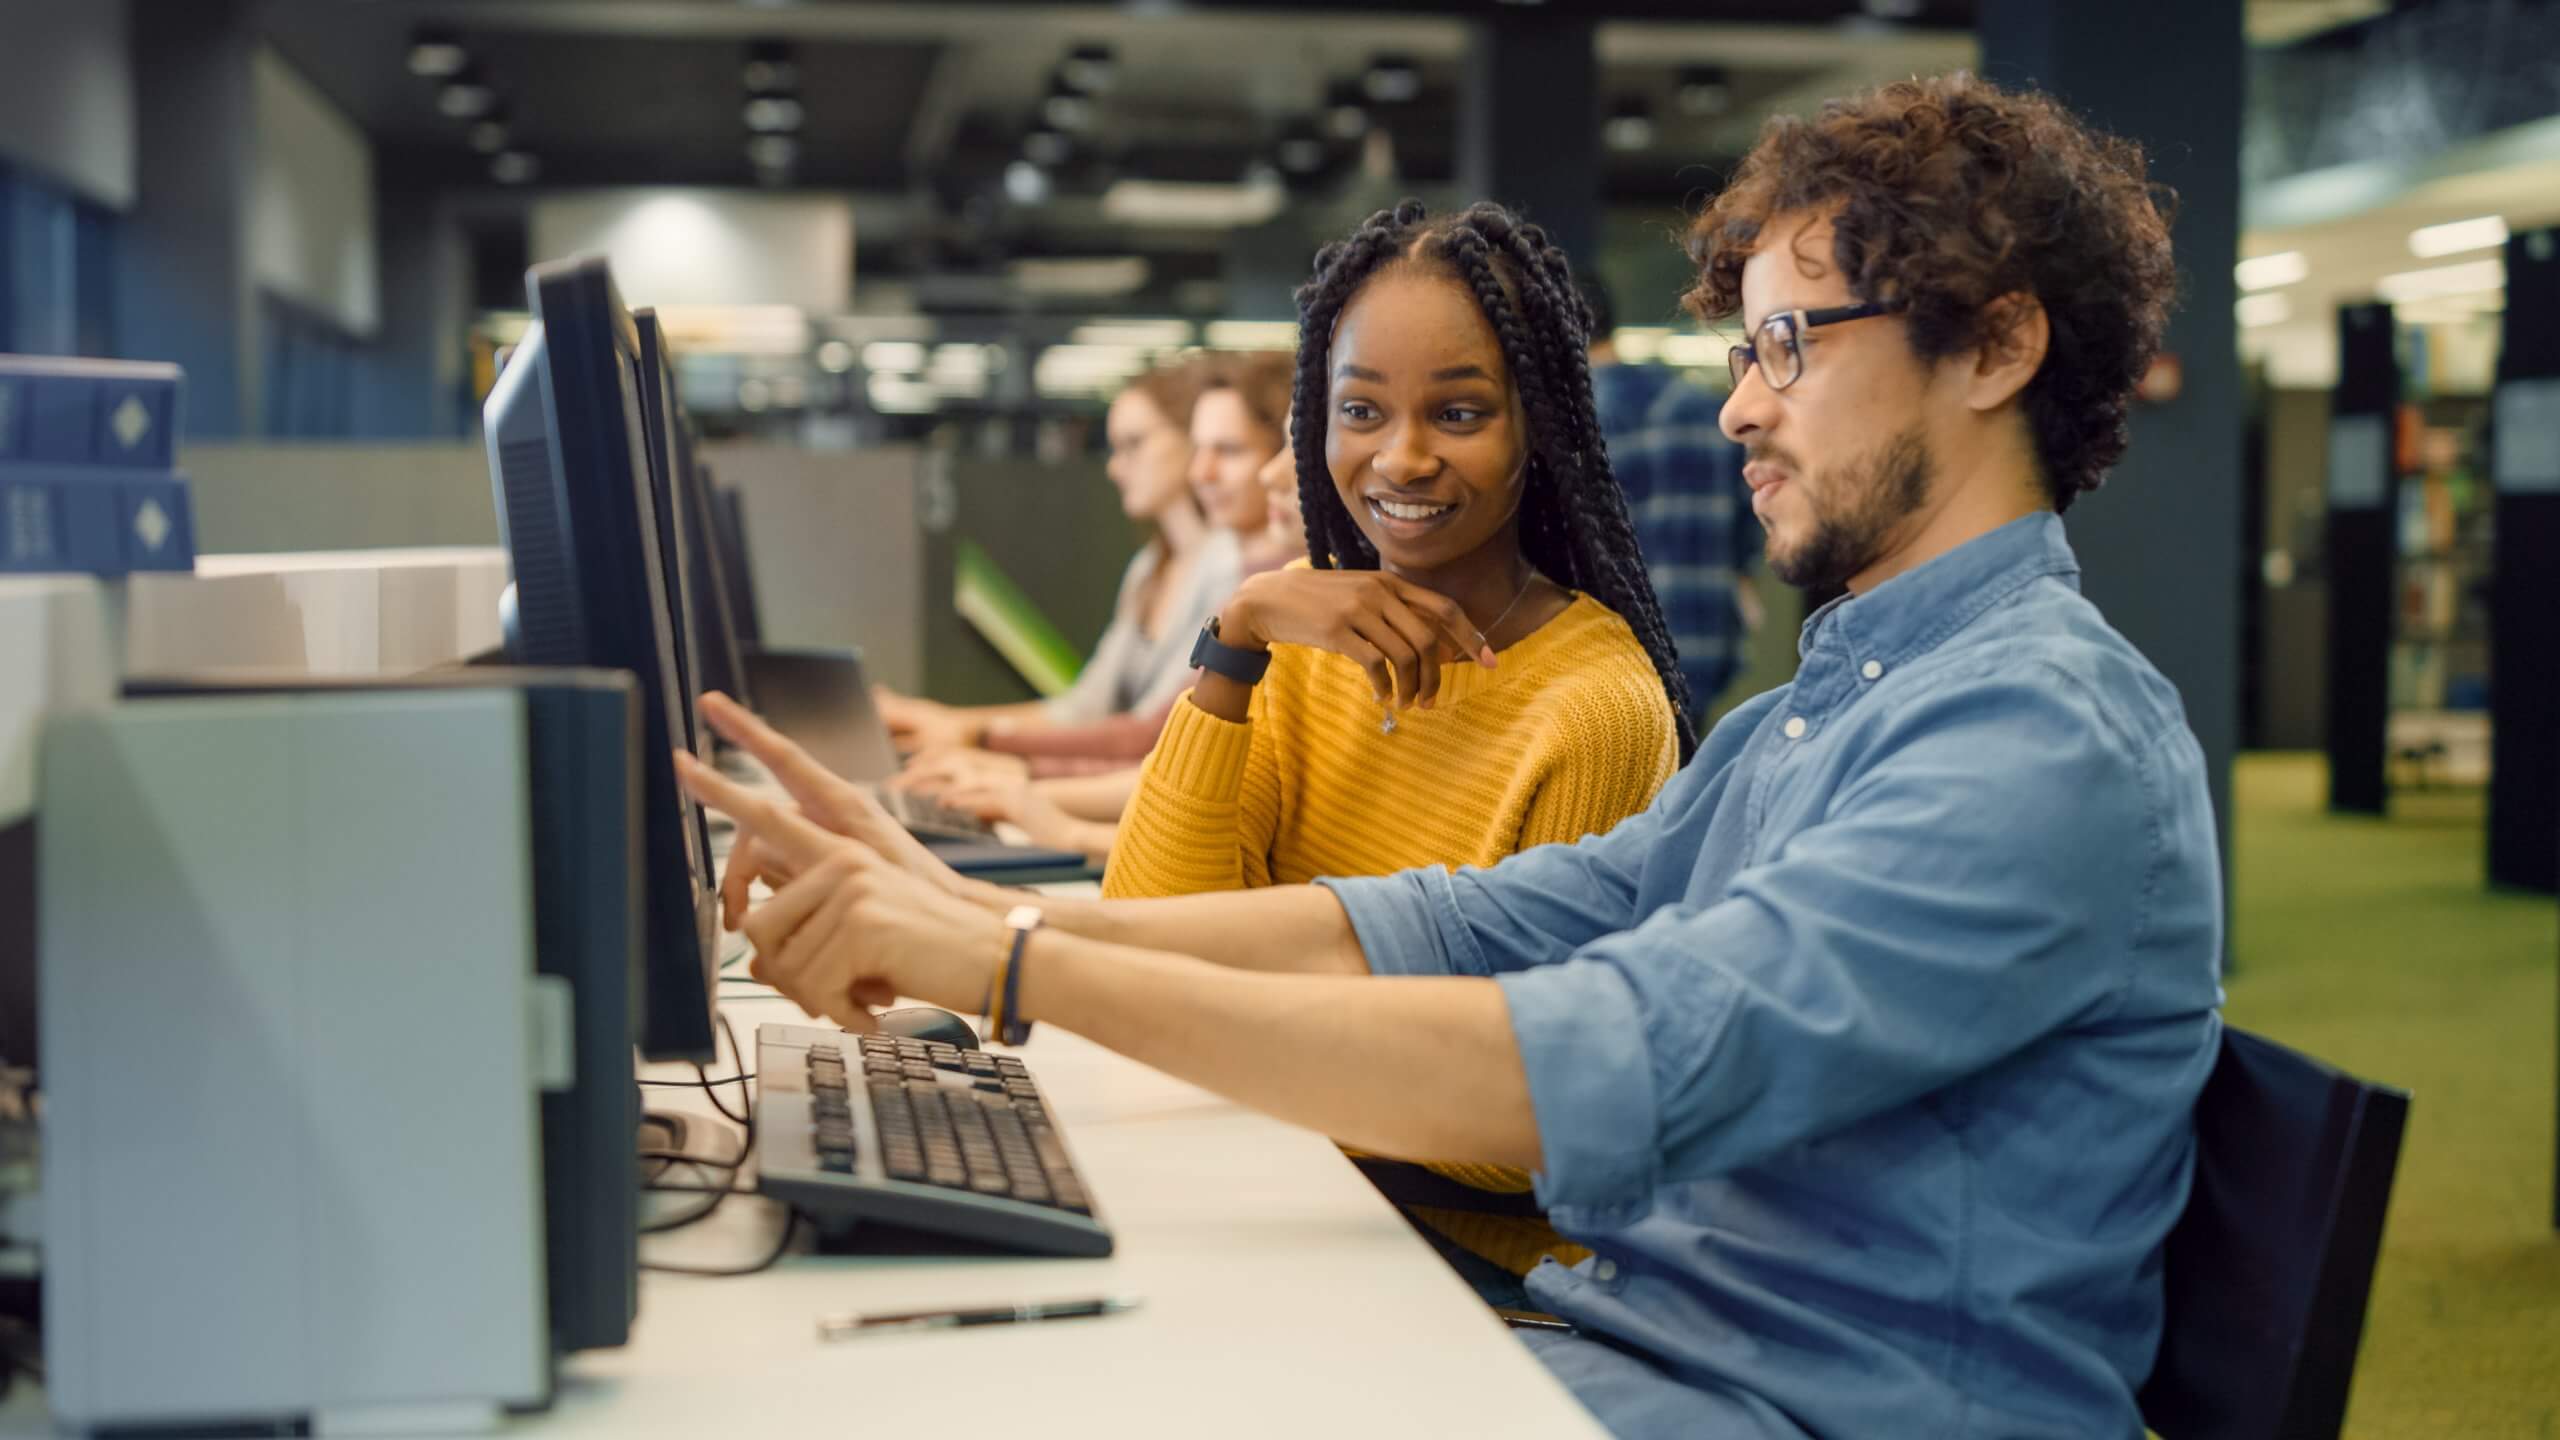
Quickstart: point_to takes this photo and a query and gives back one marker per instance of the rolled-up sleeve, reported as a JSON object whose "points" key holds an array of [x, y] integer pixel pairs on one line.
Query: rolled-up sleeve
{"points": [[1978, 887]]}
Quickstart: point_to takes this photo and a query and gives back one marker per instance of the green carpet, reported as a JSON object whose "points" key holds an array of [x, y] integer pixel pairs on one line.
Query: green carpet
{"points": [[2374, 945]]}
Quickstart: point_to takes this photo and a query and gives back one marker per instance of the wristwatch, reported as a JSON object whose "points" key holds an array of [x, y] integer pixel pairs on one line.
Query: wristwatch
{"points": [[1021, 920], [1245, 667]]}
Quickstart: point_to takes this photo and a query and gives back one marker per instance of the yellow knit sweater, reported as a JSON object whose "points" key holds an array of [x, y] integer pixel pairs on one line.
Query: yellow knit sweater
{"points": [[1569, 734]]}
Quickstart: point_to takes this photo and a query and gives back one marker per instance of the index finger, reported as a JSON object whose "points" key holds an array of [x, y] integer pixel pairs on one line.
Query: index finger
{"points": [[809, 782], [779, 828], [1449, 618]]}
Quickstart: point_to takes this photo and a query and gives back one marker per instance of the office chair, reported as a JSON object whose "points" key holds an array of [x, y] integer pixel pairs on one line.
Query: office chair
{"points": [[2268, 1269]]}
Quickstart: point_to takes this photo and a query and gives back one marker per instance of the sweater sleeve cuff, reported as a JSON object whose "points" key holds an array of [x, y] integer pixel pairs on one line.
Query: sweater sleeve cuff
{"points": [[1201, 756]]}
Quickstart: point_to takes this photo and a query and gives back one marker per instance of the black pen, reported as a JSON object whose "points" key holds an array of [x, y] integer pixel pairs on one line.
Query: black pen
{"points": [[846, 1327]]}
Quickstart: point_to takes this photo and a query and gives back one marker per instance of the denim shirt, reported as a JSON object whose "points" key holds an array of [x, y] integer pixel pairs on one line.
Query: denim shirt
{"points": [[1864, 1061]]}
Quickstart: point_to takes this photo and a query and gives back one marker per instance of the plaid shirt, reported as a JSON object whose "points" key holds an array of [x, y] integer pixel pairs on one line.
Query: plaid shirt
{"points": [[1691, 509]]}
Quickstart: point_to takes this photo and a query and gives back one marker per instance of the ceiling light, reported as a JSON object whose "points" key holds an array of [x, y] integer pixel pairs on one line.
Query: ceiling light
{"points": [[1705, 90], [2466, 278], [1089, 68], [1392, 79], [466, 98], [2253, 311], [835, 357], [1345, 118], [1301, 151], [773, 114], [437, 54], [896, 356], [1064, 109], [1629, 127], [1203, 204], [2266, 272], [1089, 277], [489, 136], [1047, 147], [770, 68], [1025, 183], [514, 167], [773, 152], [1146, 334], [2455, 236], [1252, 335]]}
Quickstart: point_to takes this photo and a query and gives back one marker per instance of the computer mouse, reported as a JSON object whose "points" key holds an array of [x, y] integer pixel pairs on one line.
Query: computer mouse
{"points": [[923, 1022]]}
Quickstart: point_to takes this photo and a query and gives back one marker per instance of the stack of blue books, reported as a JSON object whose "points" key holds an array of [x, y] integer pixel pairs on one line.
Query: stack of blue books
{"points": [[89, 480]]}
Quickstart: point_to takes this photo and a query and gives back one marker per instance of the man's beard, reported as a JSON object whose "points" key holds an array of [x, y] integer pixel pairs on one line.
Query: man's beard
{"points": [[1854, 510]]}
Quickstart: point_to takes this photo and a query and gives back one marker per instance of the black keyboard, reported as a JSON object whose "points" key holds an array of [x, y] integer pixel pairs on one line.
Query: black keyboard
{"points": [[916, 1134]]}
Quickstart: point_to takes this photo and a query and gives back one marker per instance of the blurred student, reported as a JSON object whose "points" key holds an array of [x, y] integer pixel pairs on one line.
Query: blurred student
{"points": [[1176, 581], [1239, 418], [1687, 499], [1071, 796]]}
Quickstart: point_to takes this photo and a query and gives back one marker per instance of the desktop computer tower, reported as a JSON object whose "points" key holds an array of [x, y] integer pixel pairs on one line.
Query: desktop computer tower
{"points": [[337, 1004]]}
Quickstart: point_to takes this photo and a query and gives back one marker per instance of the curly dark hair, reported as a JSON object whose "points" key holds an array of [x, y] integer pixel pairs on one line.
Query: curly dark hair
{"points": [[1573, 516], [1948, 193]]}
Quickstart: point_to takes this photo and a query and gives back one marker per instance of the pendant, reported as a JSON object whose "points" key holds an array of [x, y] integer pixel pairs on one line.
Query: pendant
{"points": [[1387, 723]]}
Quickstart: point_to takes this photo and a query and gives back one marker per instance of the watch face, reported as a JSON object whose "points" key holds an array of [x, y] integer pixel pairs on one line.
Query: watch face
{"points": [[1023, 917]]}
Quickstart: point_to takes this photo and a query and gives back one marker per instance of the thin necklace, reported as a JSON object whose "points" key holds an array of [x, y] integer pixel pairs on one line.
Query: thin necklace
{"points": [[1387, 721]]}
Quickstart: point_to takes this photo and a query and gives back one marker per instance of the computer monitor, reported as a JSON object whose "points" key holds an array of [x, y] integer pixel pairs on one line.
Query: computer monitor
{"points": [[569, 455], [711, 656], [729, 534]]}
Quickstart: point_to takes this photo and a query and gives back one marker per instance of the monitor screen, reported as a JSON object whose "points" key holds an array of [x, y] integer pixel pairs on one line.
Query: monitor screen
{"points": [[684, 510], [737, 570], [570, 455]]}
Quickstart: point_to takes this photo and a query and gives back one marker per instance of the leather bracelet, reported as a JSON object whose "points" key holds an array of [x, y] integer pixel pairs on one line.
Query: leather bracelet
{"points": [[991, 1013], [1010, 1028]]}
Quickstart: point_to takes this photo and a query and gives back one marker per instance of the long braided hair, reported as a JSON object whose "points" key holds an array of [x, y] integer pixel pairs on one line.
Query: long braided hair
{"points": [[1573, 516]]}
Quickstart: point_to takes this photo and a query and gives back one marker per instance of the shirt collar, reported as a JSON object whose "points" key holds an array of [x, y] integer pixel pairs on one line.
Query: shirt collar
{"points": [[1914, 611]]}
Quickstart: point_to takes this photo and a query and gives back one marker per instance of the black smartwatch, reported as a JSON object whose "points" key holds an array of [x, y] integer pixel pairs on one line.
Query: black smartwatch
{"points": [[1245, 667]]}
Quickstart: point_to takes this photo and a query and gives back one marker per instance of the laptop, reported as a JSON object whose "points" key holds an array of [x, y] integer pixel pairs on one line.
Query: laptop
{"points": [[822, 700]]}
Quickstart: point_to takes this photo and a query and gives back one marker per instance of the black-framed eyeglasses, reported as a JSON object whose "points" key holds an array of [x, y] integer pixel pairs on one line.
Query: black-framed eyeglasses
{"points": [[1777, 347]]}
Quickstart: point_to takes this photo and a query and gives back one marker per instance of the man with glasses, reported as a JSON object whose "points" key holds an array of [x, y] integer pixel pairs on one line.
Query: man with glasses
{"points": [[1864, 1060]]}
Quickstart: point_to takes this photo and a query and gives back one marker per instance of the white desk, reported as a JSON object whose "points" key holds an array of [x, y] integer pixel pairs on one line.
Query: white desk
{"points": [[1284, 1297]]}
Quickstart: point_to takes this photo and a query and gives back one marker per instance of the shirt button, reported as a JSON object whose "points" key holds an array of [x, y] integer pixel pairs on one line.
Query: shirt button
{"points": [[1795, 727], [1605, 1270], [1873, 670]]}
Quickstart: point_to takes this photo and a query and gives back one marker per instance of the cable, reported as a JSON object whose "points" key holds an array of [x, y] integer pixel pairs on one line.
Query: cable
{"points": [[694, 1216], [686, 1157], [790, 1229]]}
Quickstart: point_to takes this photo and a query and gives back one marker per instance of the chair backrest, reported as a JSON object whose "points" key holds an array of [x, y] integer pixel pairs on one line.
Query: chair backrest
{"points": [[2268, 1269]]}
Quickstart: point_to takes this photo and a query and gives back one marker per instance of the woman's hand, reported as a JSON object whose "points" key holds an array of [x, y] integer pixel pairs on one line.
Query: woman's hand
{"points": [[1024, 803], [825, 799], [850, 931], [934, 772], [1396, 630], [916, 724]]}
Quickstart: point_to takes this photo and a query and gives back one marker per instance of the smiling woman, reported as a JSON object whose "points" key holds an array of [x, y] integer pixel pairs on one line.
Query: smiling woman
{"points": [[1459, 674]]}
